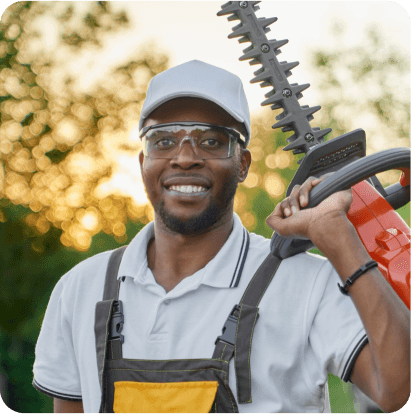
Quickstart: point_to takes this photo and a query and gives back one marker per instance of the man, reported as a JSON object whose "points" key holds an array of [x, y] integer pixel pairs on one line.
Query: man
{"points": [[183, 273]]}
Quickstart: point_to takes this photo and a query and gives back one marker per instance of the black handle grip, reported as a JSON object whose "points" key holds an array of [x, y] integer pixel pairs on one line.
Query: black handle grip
{"points": [[359, 170]]}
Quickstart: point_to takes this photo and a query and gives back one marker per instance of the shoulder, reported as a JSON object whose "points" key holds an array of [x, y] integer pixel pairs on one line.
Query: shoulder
{"points": [[260, 246], [306, 274], [86, 279], [87, 269]]}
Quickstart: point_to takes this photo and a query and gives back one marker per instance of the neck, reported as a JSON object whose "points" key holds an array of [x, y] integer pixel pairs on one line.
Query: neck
{"points": [[173, 257]]}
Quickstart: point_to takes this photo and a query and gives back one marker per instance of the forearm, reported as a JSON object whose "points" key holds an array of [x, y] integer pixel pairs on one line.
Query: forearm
{"points": [[385, 317]]}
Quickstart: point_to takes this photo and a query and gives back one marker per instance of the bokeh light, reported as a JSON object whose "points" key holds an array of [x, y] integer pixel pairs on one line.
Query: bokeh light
{"points": [[274, 184], [66, 154]]}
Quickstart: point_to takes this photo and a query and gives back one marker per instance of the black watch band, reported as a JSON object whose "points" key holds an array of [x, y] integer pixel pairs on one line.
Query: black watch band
{"points": [[356, 275]]}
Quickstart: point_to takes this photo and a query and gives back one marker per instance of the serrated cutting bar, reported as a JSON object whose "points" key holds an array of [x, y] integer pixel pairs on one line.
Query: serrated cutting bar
{"points": [[274, 73]]}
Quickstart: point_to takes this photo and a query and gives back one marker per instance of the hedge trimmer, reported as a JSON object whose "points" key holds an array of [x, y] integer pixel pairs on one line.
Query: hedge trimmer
{"points": [[382, 231]]}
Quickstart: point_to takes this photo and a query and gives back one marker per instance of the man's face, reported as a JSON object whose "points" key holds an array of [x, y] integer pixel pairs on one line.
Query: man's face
{"points": [[217, 179]]}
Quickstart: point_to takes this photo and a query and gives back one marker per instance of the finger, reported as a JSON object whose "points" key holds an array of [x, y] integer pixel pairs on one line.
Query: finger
{"points": [[275, 220], [294, 199], [308, 186], [285, 208], [305, 190], [287, 212]]}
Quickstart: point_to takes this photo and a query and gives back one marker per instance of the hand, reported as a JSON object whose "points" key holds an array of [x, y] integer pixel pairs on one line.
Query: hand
{"points": [[289, 220]]}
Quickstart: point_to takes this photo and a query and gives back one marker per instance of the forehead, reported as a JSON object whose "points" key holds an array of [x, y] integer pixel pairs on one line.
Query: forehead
{"points": [[191, 109]]}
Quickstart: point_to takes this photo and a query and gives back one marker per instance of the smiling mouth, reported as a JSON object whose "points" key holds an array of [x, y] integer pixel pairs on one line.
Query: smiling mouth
{"points": [[188, 189]]}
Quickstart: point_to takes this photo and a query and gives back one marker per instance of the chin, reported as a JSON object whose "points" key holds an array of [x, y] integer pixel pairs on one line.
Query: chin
{"points": [[189, 221], [194, 224]]}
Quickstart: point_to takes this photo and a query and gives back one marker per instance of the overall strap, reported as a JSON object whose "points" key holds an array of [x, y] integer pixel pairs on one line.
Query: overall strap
{"points": [[239, 327], [111, 284], [105, 310]]}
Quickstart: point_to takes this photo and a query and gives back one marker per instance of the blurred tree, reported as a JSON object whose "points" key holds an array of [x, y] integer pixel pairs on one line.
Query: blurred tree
{"points": [[60, 150], [361, 87], [270, 173], [59, 147], [30, 267], [365, 86]]}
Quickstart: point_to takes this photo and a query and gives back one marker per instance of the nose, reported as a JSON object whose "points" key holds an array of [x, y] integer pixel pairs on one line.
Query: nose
{"points": [[186, 158]]}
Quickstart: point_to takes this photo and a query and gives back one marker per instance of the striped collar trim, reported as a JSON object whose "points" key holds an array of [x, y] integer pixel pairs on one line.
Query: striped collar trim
{"points": [[241, 259], [223, 271]]}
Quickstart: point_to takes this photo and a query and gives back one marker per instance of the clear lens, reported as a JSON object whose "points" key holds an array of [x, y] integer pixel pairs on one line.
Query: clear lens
{"points": [[165, 141]]}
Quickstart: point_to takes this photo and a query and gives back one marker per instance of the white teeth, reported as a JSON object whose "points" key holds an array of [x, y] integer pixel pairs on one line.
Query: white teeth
{"points": [[187, 188]]}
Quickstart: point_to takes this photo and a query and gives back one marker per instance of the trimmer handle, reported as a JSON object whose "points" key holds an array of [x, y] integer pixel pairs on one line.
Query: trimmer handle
{"points": [[397, 194]]}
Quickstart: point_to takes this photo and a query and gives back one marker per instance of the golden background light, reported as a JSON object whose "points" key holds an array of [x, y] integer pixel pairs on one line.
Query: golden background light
{"points": [[73, 91], [274, 185], [66, 154]]}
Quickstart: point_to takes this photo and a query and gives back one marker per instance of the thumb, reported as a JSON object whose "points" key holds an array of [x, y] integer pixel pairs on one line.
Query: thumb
{"points": [[276, 220]]}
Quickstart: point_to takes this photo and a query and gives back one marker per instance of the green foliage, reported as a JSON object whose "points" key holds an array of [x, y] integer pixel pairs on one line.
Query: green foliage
{"points": [[376, 68], [58, 144], [34, 260], [29, 269], [341, 395], [34, 263], [33, 256], [365, 87], [263, 206]]}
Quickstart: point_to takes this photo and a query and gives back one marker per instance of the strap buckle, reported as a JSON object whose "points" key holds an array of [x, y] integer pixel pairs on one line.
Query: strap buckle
{"points": [[229, 328], [117, 321]]}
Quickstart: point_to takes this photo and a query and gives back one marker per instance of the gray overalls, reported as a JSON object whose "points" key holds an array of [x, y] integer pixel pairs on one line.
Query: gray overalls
{"points": [[181, 385]]}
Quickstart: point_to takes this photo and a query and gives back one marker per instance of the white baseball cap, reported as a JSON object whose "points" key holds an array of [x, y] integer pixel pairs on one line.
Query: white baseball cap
{"points": [[198, 79]]}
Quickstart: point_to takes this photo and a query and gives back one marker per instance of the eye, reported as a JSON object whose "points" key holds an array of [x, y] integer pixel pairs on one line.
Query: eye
{"points": [[210, 143], [165, 143], [162, 141]]}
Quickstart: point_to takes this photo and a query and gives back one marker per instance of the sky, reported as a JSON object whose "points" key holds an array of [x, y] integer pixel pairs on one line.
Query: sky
{"points": [[188, 30], [191, 30]]}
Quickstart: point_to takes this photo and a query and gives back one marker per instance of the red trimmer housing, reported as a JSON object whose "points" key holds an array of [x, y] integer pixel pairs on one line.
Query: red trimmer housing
{"points": [[384, 234]]}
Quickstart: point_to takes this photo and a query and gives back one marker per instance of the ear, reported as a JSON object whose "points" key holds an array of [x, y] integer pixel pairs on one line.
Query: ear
{"points": [[141, 159], [245, 165]]}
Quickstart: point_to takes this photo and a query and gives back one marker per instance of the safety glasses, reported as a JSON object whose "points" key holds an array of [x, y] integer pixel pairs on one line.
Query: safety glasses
{"points": [[207, 141]]}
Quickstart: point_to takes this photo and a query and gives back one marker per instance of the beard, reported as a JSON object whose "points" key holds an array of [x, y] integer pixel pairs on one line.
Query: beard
{"points": [[200, 223]]}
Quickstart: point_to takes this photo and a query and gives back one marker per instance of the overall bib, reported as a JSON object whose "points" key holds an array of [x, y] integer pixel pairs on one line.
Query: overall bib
{"points": [[179, 385]]}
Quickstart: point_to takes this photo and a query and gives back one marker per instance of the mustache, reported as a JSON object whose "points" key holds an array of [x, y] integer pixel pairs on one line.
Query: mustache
{"points": [[198, 177]]}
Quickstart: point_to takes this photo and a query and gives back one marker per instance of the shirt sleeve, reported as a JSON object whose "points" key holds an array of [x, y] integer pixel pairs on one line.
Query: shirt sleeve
{"points": [[55, 369], [337, 334]]}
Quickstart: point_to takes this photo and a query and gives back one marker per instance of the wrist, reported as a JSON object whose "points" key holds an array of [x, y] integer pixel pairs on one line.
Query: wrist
{"points": [[360, 271], [328, 232], [342, 246]]}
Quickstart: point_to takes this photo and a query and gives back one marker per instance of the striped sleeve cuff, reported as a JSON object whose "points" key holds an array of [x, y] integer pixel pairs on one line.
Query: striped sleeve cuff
{"points": [[56, 394], [353, 357]]}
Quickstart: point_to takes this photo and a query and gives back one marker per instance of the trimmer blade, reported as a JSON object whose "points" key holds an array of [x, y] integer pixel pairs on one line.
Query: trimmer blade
{"points": [[273, 73]]}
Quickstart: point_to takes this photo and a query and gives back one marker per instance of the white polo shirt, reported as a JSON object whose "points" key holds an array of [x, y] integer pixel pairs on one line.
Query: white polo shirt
{"points": [[306, 328]]}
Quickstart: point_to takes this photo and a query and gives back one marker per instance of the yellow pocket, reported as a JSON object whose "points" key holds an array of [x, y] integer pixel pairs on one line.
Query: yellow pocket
{"points": [[164, 397]]}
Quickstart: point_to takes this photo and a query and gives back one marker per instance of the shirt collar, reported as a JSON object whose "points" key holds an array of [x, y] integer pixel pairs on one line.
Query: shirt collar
{"points": [[224, 271]]}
